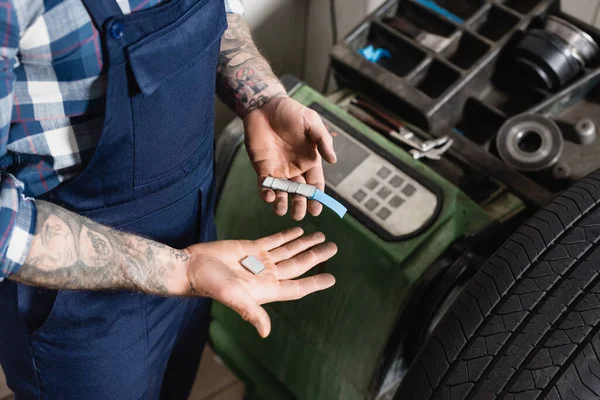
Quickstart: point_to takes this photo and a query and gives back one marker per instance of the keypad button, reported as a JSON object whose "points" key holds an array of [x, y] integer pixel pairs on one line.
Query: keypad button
{"points": [[360, 195], [384, 172], [396, 201], [371, 204], [409, 190], [384, 192], [396, 181], [371, 184], [384, 213]]}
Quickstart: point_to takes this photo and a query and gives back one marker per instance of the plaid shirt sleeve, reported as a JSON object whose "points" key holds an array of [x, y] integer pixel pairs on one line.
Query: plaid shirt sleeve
{"points": [[234, 7], [17, 213]]}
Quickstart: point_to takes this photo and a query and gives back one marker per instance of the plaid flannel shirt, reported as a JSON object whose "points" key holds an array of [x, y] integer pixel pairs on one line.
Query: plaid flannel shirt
{"points": [[51, 107]]}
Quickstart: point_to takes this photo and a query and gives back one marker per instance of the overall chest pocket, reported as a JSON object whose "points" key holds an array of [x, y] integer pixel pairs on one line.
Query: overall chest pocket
{"points": [[173, 109]]}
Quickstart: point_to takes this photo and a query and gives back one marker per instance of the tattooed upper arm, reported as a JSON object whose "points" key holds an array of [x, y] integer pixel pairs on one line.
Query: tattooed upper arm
{"points": [[245, 80]]}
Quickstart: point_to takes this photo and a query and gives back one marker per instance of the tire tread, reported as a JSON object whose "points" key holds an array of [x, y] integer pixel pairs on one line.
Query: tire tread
{"points": [[510, 333]]}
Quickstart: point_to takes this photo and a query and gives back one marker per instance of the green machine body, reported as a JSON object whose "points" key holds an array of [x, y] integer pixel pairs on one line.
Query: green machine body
{"points": [[348, 342]]}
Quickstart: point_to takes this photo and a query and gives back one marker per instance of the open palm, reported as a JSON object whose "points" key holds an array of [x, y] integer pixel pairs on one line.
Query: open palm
{"points": [[215, 270], [285, 139]]}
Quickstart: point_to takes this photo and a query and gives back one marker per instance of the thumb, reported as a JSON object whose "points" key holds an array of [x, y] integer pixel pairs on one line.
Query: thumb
{"points": [[242, 303], [318, 133]]}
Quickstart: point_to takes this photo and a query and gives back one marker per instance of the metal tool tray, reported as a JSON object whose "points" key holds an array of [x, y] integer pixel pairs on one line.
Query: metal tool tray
{"points": [[461, 90]]}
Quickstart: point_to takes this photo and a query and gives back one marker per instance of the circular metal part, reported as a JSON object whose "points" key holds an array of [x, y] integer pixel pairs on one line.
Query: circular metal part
{"points": [[545, 61], [586, 131], [561, 171], [550, 58], [584, 47], [530, 142]]}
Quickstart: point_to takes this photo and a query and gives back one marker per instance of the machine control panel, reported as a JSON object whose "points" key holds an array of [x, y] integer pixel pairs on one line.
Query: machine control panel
{"points": [[383, 193]]}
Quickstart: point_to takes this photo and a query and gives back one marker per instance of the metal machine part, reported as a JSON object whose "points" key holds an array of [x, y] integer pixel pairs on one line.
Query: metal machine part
{"points": [[585, 131], [434, 153], [551, 57], [545, 61], [530, 142], [583, 46], [561, 171], [409, 137]]}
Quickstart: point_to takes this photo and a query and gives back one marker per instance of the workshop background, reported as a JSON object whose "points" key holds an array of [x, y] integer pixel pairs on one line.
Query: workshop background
{"points": [[291, 35]]}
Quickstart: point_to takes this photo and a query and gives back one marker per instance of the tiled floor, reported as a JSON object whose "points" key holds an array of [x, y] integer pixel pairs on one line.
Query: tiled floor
{"points": [[4, 392], [214, 382]]}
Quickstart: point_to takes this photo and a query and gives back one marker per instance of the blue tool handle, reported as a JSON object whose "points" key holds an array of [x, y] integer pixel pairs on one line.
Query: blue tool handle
{"points": [[440, 10]]}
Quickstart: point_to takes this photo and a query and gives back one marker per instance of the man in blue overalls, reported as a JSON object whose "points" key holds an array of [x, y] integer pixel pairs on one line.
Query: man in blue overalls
{"points": [[106, 200]]}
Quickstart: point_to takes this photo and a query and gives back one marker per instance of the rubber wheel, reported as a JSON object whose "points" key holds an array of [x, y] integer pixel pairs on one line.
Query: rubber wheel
{"points": [[527, 325]]}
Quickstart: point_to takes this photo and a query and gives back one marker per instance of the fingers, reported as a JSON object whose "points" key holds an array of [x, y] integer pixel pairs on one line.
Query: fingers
{"points": [[300, 264], [297, 246], [240, 301], [315, 177], [279, 239], [294, 290], [320, 136], [281, 203], [280, 199], [267, 195], [298, 202]]}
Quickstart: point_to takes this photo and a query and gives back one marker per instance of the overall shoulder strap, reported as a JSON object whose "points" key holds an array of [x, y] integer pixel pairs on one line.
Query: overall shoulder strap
{"points": [[102, 10]]}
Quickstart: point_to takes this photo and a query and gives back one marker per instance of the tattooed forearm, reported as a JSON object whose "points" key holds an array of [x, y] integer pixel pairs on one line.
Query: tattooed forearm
{"points": [[72, 252], [245, 80]]}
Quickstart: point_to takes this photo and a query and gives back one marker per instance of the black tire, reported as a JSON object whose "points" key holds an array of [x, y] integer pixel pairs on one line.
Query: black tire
{"points": [[527, 325]]}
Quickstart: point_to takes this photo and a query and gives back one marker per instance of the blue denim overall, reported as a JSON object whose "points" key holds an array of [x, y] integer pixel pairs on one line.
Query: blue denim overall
{"points": [[151, 174]]}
